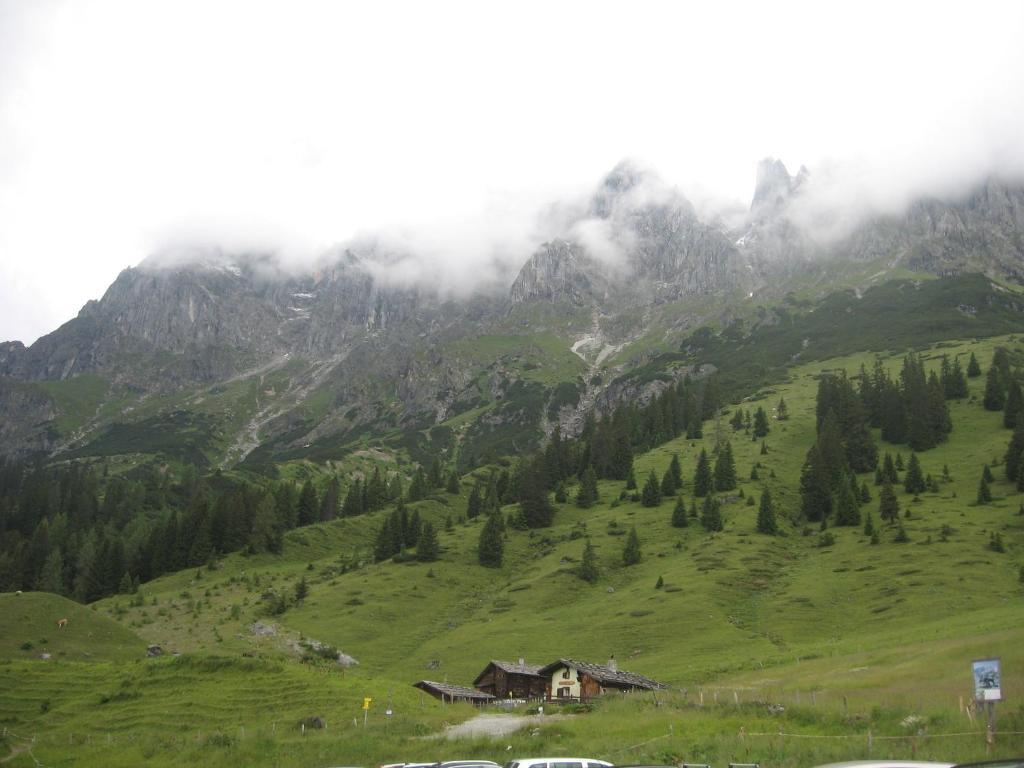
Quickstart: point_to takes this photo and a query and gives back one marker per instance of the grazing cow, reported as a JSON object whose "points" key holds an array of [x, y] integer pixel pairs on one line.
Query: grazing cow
{"points": [[61, 623]]}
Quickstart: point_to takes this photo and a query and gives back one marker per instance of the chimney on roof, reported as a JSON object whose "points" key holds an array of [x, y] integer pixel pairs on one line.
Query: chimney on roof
{"points": [[522, 662], [613, 665]]}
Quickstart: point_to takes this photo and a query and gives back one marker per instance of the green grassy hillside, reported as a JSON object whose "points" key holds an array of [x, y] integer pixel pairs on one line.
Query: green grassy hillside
{"points": [[28, 628], [876, 632]]}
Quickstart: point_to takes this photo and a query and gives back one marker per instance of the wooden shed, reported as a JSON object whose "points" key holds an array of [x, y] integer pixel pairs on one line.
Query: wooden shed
{"points": [[452, 693], [580, 680], [512, 680]]}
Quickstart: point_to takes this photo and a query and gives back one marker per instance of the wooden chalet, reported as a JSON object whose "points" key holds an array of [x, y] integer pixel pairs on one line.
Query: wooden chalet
{"points": [[452, 693], [512, 680], [580, 680]]}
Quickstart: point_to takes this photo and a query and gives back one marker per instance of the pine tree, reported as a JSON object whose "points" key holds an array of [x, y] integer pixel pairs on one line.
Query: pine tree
{"points": [[753, 473], [51, 577], [994, 398], [703, 482], [725, 469], [309, 509], [815, 487], [781, 411], [491, 548], [986, 473], [631, 480], [353, 500], [1014, 405], [679, 516], [711, 515], [1012, 460], [766, 515], [764, 448], [973, 369], [301, 590], [651, 494], [434, 475], [427, 548], [631, 554], [865, 493], [474, 504], [587, 495], [869, 525], [736, 422], [984, 492], [676, 470], [453, 487], [913, 481], [901, 535], [847, 509], [760, 423], [888, 504], [889, 473], [588, 564], [668, 484], [536, 509]]}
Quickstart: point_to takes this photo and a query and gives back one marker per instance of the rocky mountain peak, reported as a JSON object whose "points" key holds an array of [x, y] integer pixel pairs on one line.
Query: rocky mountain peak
{"points": [[773, 187]]}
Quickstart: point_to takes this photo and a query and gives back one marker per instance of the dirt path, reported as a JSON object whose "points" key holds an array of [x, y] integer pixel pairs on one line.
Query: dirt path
{"points": [[495, 725]]}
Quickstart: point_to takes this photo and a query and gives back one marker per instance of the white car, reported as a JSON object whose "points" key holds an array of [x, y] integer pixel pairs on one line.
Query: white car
{"points": [[557, 762]]}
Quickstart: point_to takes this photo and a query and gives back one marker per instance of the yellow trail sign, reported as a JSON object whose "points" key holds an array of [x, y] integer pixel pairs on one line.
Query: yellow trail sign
{"points": [[366, 702]]}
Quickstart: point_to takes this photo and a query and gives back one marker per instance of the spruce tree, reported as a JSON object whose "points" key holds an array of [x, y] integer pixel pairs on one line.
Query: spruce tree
{"points": [[536, 509], [869, 525], [418, 486], [760, 423], [474, 504], [994, 398], [986, 473], [815, 487], [427, 548], [766, 515], [753, 473], [631, 480], [703, 482], [588, 564], [453, 487], [847, 509], [781, 411], [973, 369], [631, 554], [676, 470], [736, 422], [888, 504], [679, 516], [725, 469], [1014, 406], [889, 473], [586, 495], [865, 493], [309, 508], [984, 492], [651, 494], [1012, 459], [668, 484], [711, 515], [913, 481], [491, 548]]}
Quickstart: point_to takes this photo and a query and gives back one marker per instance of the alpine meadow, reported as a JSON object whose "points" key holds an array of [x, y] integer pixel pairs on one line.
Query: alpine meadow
{"points": [[402, 439]]}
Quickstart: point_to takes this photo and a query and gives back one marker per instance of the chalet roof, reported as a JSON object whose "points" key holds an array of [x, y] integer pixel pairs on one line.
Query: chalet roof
{"points": [[453, 691], [605, 674], [513, 668]]}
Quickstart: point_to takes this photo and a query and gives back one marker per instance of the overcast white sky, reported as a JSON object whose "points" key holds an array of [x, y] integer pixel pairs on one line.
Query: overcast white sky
{"points": [[126, 127]]}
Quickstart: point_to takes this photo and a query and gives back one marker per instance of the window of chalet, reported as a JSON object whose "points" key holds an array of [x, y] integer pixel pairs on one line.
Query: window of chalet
{"points": [[564, 693], [565, 674]]}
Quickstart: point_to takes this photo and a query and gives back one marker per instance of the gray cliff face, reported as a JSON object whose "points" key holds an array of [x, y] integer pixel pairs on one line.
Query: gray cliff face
{"points": [[979, 232], [660, 251], [560, 271]]}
